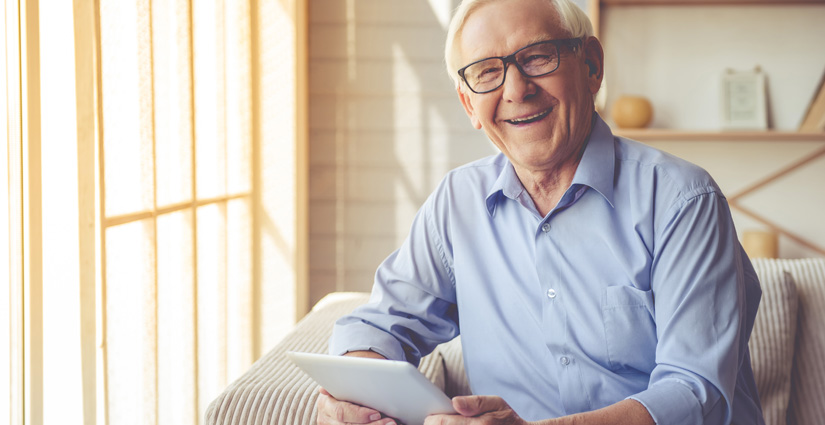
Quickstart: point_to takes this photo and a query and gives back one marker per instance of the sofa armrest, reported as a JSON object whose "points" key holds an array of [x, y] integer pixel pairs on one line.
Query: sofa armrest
{"points": [[274, 391]]}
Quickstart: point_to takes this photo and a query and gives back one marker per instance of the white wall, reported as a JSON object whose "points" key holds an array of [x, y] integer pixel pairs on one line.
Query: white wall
{"points": [[386, 124], [675, 56]]}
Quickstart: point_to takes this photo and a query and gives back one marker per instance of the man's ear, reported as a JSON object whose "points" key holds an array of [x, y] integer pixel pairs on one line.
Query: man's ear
{"points": [[468, 107], [594, 61]]}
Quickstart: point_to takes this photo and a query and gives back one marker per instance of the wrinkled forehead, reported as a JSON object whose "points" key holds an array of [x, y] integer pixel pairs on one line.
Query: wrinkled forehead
{"points": [[501, 27]]}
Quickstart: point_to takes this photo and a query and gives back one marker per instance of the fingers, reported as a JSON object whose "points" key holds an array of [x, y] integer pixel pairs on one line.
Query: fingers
{"points": [[332, 411], [456, 420], [476, 405], [477, 410]]}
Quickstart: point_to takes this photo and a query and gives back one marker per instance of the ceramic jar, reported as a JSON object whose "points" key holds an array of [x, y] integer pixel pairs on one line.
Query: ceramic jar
{"points": [[632, 112]]}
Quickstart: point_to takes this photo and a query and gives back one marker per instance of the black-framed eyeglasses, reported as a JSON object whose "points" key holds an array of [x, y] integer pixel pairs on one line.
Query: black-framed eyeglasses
{"points": [[533, 60]]}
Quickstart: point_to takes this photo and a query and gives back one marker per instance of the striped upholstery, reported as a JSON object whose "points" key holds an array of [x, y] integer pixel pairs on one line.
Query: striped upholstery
{"points": [[454, 372], [273, 391], [772, 340], [807, 403]]}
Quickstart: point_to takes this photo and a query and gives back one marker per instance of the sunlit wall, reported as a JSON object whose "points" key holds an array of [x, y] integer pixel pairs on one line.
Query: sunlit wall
{"points": [[385, 126]]}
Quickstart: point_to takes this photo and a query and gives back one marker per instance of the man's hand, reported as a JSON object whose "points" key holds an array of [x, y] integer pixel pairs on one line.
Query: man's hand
{"points": [[332, 411], [336, 412], [478, 410], [492, 410]]}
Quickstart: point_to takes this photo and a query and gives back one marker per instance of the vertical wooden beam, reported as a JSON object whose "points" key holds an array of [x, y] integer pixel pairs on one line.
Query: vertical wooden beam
{"points": [[32, 214], [256, 303], [85, 34], [147, 98], [301, 20], [102, 381], [193, 194]]}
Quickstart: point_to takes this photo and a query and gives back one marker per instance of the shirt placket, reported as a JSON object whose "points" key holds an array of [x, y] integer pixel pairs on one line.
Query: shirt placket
{"points": [[555, 317]]}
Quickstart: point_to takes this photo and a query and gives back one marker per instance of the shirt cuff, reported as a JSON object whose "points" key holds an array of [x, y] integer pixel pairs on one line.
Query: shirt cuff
{"points": [[363, 337], [671, 402]]}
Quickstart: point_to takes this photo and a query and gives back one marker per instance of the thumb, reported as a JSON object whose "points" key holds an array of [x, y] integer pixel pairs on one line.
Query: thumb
{"points": [[476, 405]]}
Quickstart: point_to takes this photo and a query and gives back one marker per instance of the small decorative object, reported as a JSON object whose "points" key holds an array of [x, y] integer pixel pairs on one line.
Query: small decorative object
{"points": [[760, 243], [632, 112], [743, 100]]}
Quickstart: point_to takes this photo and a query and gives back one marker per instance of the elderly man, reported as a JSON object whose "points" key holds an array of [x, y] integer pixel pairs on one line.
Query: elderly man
{"points": [[593, 279]]}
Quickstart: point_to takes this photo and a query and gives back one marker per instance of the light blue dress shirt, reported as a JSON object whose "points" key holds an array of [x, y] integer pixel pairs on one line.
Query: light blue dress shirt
{"points": [[633, 286]]}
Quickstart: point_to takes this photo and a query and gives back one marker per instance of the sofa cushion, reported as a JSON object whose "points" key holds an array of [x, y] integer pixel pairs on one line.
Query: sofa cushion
{"points": [[456, 377], [772, 341], [807, 403]]}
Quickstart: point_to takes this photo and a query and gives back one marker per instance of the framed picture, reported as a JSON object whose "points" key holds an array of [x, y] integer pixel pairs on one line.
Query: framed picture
{"points": [[743, 100]]}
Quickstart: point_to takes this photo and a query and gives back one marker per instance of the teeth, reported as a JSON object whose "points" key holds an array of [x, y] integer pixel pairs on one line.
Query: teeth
{"points": [[530, 118]]}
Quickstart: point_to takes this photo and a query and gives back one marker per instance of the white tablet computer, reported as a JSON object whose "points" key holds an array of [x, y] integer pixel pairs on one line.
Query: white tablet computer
{"points": [[394, 388]]}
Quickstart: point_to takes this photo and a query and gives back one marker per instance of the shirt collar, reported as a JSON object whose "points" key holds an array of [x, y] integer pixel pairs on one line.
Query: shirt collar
{"points": [[595, 169], [507, 185]]}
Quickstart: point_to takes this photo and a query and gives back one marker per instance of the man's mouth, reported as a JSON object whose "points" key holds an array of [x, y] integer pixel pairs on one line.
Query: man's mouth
{"points": [[531, 118]]}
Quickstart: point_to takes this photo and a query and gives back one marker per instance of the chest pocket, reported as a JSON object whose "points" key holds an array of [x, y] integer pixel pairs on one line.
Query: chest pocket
{"points": [[629, 329]]}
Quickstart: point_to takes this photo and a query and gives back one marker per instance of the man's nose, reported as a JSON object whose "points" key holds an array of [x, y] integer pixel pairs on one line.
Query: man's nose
{"points": [[517, 86]]}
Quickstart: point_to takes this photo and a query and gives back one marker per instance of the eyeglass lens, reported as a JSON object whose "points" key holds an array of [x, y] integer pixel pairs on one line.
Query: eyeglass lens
{"points": [[533, 61]]}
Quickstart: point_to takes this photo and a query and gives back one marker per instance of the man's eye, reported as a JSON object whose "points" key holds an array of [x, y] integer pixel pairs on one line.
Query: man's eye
{"points": [[488, 73], [537, 60]]}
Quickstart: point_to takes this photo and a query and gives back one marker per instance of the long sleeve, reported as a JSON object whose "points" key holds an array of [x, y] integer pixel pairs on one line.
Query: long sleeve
{"points": [[705, 299], [412, 307]]}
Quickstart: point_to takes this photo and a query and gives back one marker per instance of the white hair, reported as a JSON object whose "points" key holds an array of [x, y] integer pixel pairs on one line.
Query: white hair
{"points": [[573, 20]]}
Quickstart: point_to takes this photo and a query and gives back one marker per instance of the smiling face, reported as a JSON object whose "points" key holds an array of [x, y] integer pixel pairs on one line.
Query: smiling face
{"points": [[540, 123]]}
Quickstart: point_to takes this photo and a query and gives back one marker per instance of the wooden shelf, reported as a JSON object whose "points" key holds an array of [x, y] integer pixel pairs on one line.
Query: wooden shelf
{"points": [[660, 134], [655, 134]]}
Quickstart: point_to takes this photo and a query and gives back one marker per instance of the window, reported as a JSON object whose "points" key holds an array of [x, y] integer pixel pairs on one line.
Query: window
{"points": [[155, 203]]}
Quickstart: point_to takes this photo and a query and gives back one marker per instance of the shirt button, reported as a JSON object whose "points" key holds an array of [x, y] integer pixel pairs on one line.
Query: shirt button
{"points": [[545, 227], [565, 361], [551, 293]]}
